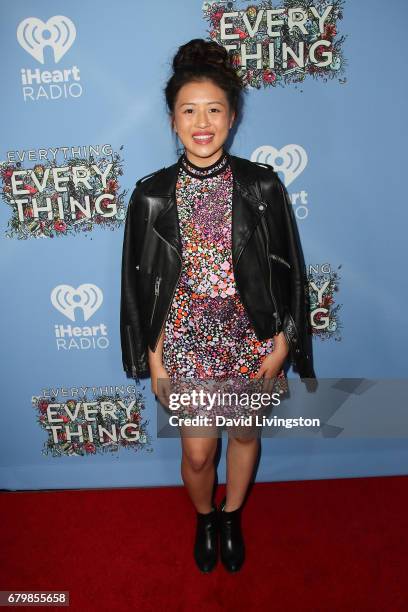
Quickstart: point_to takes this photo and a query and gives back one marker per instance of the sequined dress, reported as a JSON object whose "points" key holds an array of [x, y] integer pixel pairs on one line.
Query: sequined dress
{"points": [[207, 331]]}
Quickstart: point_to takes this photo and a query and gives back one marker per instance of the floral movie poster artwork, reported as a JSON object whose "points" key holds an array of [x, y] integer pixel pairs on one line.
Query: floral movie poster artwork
{"points": [[323, 283], [88, 421], [275, 44], [62, 191]]}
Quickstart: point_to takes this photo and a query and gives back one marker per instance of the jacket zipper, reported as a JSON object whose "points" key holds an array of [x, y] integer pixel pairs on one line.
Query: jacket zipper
{"points": [[248, 195], [156, 293], [175, 286], [130, 345], [279, 258], [278, 321]]}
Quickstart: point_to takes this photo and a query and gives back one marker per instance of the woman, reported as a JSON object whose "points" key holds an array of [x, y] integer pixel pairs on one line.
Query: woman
{"points": [[212, 281]]}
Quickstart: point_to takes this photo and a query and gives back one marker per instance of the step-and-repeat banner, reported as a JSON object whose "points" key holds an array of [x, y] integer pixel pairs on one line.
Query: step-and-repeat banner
{"points": [[83, 117]]}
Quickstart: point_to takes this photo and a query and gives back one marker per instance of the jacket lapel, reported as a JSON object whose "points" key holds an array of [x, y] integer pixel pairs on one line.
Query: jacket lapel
{"points": [[247, 205], [162, 191]]}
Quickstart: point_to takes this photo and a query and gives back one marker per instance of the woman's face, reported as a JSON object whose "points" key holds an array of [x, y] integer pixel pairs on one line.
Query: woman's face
{"points": [[202, 108]]}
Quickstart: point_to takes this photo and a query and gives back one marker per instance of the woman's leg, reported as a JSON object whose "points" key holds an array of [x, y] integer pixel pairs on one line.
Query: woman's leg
{"points": [[198, 470], [242, 453]]}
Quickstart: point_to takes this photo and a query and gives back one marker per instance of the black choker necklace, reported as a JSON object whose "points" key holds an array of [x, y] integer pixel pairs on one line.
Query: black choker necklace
{"points": [[206, 171]]}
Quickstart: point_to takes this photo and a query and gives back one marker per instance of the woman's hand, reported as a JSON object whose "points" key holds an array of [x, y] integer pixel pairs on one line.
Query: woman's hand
{"points": [[158, 373], [160, 382], [272, 364]]}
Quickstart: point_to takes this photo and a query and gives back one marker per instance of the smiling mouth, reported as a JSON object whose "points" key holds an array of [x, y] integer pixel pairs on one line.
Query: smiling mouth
{"points": [[203, 139]]}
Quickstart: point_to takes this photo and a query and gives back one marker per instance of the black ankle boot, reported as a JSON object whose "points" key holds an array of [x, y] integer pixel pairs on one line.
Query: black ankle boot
{"points": [[206, 540], [231, 540]]}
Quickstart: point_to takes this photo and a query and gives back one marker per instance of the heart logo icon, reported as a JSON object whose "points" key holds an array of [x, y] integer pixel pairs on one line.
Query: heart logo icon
{"points": [[88, 297], [291, 160], [34, 35]]}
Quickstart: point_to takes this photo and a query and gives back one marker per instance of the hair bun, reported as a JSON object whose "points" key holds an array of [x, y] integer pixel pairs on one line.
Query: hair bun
{"points": [[198, 53], [205, 60]]}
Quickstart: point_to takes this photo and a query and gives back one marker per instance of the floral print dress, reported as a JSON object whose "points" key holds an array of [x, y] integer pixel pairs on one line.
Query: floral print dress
{"points": [[207, 331]]}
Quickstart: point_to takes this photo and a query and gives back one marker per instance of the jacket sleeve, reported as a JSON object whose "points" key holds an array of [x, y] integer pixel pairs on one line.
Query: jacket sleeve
{"points": [[133, 336], [296, 323]]}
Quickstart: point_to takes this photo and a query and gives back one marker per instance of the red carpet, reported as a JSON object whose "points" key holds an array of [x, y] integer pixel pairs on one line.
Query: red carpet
{"points": [[322, 545]]}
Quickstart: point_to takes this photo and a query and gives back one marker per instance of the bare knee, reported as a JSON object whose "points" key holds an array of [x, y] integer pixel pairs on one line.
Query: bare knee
{"points": [[245, 439], [198, 460]]}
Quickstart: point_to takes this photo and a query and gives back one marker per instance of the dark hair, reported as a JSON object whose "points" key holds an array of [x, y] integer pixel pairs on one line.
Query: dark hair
{"points": [[199, 60]]}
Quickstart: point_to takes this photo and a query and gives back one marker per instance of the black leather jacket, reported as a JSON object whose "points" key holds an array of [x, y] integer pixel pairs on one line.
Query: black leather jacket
{"points": [[267, 260]]}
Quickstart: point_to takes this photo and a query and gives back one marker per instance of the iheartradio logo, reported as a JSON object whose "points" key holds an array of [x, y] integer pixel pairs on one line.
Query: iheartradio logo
{"points": [[291, 160], [34, 35], [58, 33], [88, 298], [66, 299]]}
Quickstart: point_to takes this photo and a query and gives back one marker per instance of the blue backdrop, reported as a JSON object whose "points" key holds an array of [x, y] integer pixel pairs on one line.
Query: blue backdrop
{"points": [[99, 83]]}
